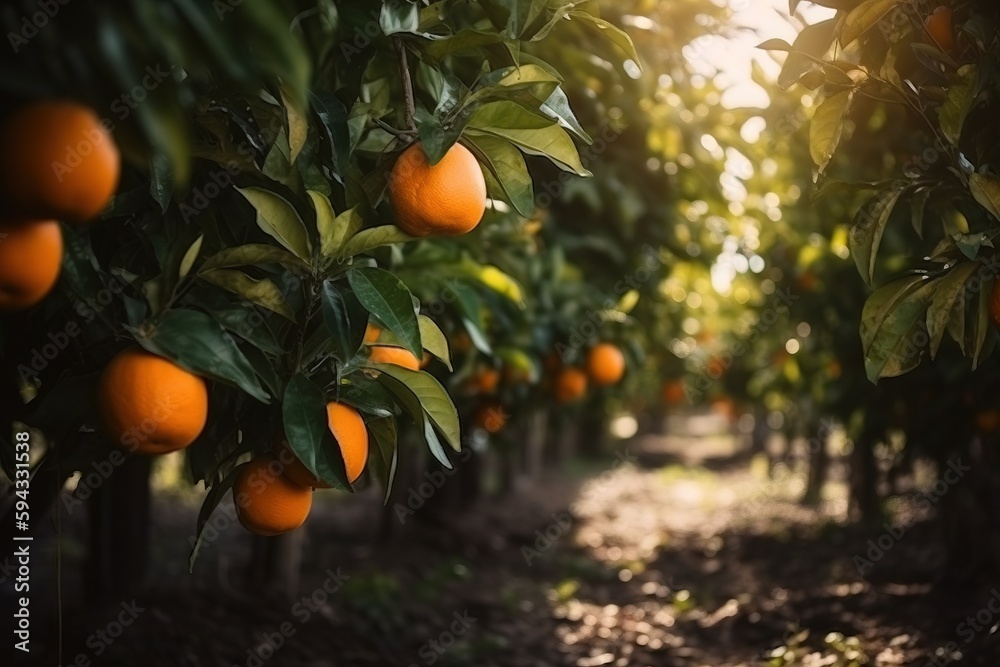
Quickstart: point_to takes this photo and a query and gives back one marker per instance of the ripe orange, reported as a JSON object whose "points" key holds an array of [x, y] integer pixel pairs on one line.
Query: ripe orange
{"points": [[372, 332], [490, 417], [445, 199], [995, 304], [267, 502], [939, 27], [295, 470], [571, 384], [605, 364], [461, 342], [988, 421], [385, 354], [485, 382], [30, 256], [348, 428], [673, 392], [150, 404], [58, 161]]}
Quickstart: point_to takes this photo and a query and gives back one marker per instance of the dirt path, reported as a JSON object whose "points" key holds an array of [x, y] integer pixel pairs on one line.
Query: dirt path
{"points": [[672, 556]]}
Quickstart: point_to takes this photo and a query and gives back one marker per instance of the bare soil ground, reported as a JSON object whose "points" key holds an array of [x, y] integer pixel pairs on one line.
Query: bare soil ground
{"points": [[682, 555]]}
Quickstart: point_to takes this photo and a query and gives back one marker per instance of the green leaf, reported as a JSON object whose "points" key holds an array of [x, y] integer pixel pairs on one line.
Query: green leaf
{"points": [[892, 324], [946, 292], [374, 237], [557, 106], [986, 190], [298, 125], [534, 80], [827, 127], [197, 342], [366, 396], [507, 166], [918, 206], [533, 134], [212, 500], [869, 226], [189, 257], [251, 254], [333, 117], [433, 399], [610, 31], [345, 319], [279, 220], [388, 299], [334, 230], [958, 103], [982, 325], [307, 430], [434, 340], [383, 432], [399, 17], [863, 17], [262, 292], [411, 403]]}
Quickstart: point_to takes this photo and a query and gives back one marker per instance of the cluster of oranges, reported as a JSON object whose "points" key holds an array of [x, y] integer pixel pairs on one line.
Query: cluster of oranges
{"points": [[59, 163], [273, 493], [605, 366], [151, 405]]}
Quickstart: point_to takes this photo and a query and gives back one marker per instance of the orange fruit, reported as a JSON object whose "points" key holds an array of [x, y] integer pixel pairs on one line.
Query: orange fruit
{"points": [[939, 27], [385, 354], [58, 161], [461, 342], [673, 392], [571, 384], [348, 428], [267, 502], [30, 256], [605, 364], [445, 199], [150, 404], [834, 369], [988, 421], [485, 382], [995, 304], [295, 470], [426, 359], [372, 332], [490, 417]]}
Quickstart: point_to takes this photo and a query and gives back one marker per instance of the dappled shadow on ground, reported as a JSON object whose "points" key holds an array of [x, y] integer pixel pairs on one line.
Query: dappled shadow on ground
{"points": [[679, 565]]}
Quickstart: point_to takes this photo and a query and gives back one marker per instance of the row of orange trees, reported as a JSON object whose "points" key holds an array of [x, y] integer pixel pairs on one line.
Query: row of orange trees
{"points": [[256, 256]]}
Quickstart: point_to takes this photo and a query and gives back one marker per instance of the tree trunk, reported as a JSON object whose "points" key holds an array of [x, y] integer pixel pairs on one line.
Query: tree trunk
{"points": [[536, 436], [275, 563], [864, 477], [819, 464], [119, 516]]}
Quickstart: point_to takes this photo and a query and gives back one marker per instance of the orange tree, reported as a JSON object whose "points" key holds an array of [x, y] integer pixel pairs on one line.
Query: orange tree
{"points": [[261, 202], [905, 133]]}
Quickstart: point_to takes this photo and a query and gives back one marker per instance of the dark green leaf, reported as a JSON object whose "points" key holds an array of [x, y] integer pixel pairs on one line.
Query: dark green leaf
{"points": [[388, 299], [308, 433]]}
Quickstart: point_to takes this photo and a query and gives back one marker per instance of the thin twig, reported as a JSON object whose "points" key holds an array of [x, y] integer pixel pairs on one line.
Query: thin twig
{"points": [[404, 75]]}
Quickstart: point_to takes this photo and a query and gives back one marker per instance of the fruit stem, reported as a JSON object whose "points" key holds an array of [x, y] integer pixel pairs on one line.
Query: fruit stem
{"points": [[404, 75]]}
